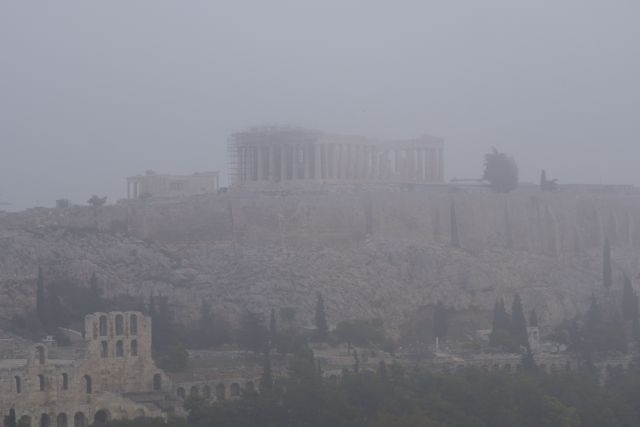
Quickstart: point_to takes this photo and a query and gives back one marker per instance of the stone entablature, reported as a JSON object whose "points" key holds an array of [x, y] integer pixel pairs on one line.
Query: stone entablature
{"points": [[77, 392], [280, 154], [153, 184]]}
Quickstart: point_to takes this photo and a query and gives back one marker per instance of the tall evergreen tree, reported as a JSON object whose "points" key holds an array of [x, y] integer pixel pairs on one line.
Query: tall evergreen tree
{"points": [[518, 326], [266, 381], [322, 328], [440, 321], [455, 236], [501, 323], [533, 318], [41, 299], [543, 179], [607, 274], [629, 301]]}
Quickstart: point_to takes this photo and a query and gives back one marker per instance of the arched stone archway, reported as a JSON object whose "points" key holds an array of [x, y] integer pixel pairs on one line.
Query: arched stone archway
{"points": [[45, 420], [79, 420], [61, 421], [101, 417], [157, 382]]}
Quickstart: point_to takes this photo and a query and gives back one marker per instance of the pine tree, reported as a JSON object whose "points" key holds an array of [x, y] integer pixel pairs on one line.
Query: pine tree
{"points": [[533, 318], [322, 329], [606, 265], [543, 180], [41, 307], [518, 325], [629, 301], [501, 324], [455, 236], [273, 331], [440, 321], [266, 382]]}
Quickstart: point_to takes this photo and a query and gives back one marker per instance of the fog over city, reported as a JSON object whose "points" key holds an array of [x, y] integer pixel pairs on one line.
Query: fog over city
{"points": [[92, 92]]}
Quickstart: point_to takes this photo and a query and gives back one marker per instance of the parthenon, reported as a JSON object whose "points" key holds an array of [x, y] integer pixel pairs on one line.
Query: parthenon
{"points": [[281, 154]]}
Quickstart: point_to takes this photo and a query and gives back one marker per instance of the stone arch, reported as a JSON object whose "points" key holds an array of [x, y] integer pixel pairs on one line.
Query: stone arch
{"points": [[250, 387], [496, 367], [157, 382], [40, 354], [133, 324], [180, 392], [234, 390], [18, 383], [194, 391], [119, 324], [103, 325], [25, 420], [87, 384], [104, 349], [220, 391], [134, 347], [45, 420], [101, 417], [65, 381], [206, 392], [42, 383], [119, 349], [79, 420], [61, 421]]}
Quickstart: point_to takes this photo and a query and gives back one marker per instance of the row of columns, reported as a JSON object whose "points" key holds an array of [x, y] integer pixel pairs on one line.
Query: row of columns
{"points": [[355, 162], [133, 189]]}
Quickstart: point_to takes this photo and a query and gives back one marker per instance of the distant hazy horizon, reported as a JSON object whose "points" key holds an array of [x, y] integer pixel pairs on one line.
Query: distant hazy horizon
{"points": [[91, 93]]}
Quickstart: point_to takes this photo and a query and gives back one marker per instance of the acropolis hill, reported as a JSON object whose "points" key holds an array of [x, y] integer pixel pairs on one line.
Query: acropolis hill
{"points": [[372, 251]]}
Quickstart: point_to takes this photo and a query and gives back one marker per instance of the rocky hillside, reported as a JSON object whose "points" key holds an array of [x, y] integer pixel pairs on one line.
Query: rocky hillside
{"points": [[382, 252]]}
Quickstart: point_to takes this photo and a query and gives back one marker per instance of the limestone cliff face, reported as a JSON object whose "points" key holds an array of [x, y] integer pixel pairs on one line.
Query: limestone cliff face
{"points": [[370, 252]]}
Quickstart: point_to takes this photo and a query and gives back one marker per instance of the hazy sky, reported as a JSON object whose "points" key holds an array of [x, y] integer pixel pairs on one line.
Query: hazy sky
{"points": [[93, 91]]}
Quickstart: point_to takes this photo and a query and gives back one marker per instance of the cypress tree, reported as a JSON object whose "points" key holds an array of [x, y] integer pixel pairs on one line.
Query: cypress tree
{"points": [[518, 324], [266, 382], [273, 331], [322, 329], [543, 180], [440, 321], [41, 308], [455, 236], [501, 322], [533, 319], [629, 301], [606, 265]]}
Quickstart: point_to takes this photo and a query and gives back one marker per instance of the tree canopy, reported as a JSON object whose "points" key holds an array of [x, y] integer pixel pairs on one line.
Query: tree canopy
{"points": [[501, 171]]}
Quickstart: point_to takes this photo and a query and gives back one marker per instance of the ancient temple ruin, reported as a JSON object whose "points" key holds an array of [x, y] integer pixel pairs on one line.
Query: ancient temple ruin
{"points": [[283, 154]]}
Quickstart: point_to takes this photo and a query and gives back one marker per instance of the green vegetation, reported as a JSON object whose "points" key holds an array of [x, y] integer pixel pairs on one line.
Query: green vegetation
{"points": [[501, 171], [471, 398]]}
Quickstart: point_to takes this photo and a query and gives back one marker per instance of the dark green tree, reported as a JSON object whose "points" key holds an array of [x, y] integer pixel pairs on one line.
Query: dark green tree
{"points": [[607, 274], [41, 306], [629, 301], [252, 334], [322, 328], [455, 236], [96, 201], [518, 325], [500, 329], [501, 171], [273, 329], [533, 318], [266, 381], [547, 184], [440, 321]]}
